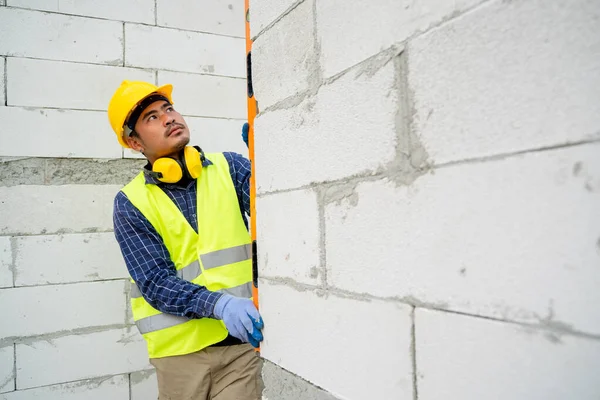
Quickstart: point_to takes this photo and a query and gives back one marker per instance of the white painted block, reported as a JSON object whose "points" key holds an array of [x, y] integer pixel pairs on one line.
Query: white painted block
{"points": [[206, 95], [2, 81], [264, 12], [289, 236], [56, 133], [47, 309], [35, 34], [6, 275], [189, 51], [468, 358], [31, 209], [90, 355], [526, 79], [330, 341], [56, 84], [7, 369], [350, 32], [114, 388], [144, 385], [220, 17], [217, 135], [284, 58], [335, 135], [515, 239], [67, 258], [119, 10]]}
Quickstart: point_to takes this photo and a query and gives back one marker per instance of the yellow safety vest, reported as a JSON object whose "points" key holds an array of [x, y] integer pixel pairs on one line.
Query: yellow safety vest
{"points": [[217, 257]]}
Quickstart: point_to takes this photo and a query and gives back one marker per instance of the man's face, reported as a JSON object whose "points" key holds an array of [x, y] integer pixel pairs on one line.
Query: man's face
{"points": [[162, 131]]}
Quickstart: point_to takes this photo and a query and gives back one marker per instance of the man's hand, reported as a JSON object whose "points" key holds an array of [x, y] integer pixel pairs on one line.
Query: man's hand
{"points": [[241, 318], [245, 129]]}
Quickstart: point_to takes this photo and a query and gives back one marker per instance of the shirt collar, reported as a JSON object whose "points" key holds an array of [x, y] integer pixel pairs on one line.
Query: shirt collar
{"points": [[151, 179]]}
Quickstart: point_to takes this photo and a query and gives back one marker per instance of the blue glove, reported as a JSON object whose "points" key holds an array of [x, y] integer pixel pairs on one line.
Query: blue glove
{"points": [[245, 129], [241, 318]]}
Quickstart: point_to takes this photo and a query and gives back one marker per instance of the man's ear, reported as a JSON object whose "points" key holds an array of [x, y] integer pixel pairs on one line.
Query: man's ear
{"points": [[135, 143]]}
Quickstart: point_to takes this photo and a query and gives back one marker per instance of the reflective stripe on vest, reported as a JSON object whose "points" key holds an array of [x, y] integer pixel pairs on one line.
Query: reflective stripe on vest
{"points": [[209, 260], [163, 321]]}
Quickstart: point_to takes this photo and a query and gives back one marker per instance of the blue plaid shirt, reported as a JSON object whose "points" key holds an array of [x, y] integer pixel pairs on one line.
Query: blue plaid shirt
{"points": [[148, 259]]}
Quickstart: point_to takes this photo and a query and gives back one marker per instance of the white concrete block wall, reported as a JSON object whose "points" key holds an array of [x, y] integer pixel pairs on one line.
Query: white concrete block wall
{"points": [[144, 385], [117, 351], [195, 52], [223, 17], [345, 341], [444, 157], [513, 362], [67, 331], [116, 388], [6, 262], [524, 100], [7, 369]]}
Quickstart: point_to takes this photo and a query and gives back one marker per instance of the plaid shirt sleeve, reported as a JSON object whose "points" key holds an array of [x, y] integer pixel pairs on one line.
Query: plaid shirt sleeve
{"points": [[240, 170], [149, 264]]}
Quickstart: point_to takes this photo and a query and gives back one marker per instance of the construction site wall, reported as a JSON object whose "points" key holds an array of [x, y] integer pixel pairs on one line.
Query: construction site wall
{"points": [[65, 329], [428, 177]]}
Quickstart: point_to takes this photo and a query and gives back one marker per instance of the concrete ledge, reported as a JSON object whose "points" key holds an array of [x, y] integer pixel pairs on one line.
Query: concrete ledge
{"points": [[283, 385]]}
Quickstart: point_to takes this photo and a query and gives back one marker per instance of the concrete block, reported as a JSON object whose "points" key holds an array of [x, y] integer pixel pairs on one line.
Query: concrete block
{"points": [[206, 95], [33, 310], [526, 80], [332, 136], [144, 385], [284, 58], [7, 369], [217, 135], [35, 34], [67, 258], [114, 388], [264, 12], [81, 134], [470, 358], [119, 10], [2, 81], [117, 351], [349, 32], [56, 209], [191, 51], [6, 263], [56, 84], [281, 384], [225, 18], [352, 334], [289, 236], [514, 239]]}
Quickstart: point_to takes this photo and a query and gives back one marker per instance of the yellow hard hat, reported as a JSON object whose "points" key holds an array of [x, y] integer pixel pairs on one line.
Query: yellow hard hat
{"points": [[126, 97]]}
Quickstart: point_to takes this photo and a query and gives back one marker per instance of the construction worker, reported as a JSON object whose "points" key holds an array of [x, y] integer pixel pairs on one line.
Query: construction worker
{"points": [[183, 233]]}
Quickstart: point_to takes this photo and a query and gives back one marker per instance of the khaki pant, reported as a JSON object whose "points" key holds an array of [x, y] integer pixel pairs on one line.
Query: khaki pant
{"points": [[214, 373]]}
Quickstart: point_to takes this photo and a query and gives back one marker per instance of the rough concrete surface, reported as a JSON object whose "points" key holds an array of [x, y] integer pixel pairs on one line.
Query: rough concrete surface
{"points": [[283, 385], [56, 171]]}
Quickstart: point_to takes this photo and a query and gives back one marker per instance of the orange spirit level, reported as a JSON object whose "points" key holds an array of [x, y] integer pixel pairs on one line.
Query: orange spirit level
{"points": [[252, 109]]}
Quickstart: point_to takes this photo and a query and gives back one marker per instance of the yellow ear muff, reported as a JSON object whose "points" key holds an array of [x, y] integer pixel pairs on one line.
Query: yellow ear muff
{"points": [[192, 161], [169, 169]]}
